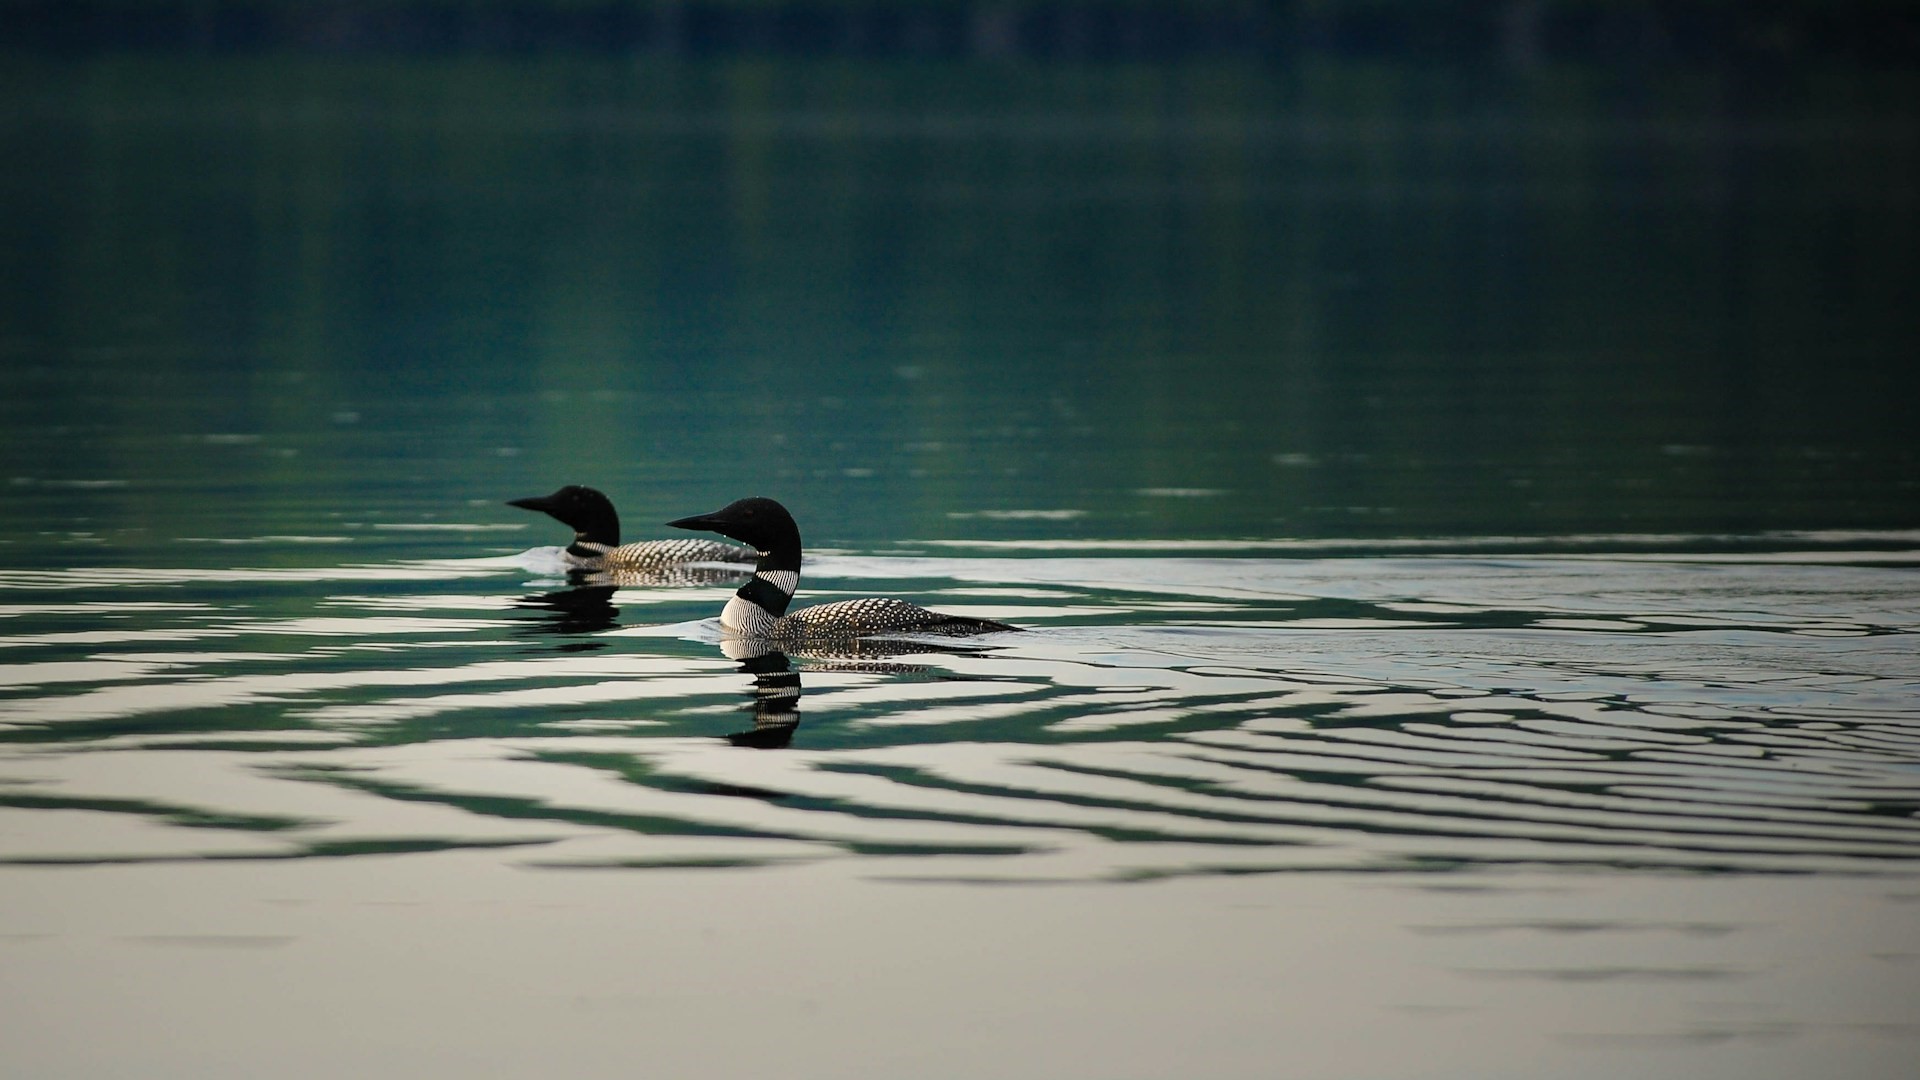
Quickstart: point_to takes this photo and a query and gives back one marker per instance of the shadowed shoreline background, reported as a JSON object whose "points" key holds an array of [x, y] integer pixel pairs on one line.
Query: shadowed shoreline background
{"points": [[1510, 31]]}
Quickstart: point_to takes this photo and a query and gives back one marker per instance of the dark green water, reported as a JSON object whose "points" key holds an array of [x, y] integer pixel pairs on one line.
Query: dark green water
{"points": [[1197, 301], [1464, 526]]}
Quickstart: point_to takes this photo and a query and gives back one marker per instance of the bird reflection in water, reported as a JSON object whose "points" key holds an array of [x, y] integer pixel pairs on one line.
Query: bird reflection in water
{"points": [[776, 694], [570, 612], [776, 682], [588, 607]]}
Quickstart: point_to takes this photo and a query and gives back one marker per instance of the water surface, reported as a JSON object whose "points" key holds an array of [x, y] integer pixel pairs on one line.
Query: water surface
{"points": [[1463, 523]]}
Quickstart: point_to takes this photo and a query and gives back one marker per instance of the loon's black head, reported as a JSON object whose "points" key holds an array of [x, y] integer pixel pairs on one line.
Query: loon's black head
{"points": [[588, 512], [761, 522]]}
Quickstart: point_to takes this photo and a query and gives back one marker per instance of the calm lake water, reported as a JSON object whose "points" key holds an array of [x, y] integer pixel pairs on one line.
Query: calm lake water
{"points": [[1466, 526]]}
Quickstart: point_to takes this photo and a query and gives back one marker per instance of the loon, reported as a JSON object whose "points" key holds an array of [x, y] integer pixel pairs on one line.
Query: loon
{"points": [[596, 543], [759, 609]]}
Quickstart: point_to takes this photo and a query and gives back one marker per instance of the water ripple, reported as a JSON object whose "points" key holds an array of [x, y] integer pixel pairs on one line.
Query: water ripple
{"points": [[1163, 716]]}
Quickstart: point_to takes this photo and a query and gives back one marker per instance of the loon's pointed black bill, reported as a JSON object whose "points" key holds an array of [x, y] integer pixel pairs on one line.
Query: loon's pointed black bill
{"points": [[542, 503], [698, 522]]}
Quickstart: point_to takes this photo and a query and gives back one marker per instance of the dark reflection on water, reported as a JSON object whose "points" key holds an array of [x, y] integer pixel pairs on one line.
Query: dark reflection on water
{"points": [[776, 682], [572, 612], [284, 297], [776, 701]]}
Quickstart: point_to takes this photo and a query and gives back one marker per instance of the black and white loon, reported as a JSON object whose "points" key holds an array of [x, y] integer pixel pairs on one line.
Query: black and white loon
{"points": [[759, 609], [596, 536]]}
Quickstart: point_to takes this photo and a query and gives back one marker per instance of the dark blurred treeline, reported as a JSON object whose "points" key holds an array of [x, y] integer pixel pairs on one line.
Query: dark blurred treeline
{"points": [[1517, 32]]}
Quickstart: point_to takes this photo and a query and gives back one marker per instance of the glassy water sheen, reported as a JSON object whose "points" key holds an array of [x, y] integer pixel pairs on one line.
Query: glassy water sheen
{"points": [[1493, 763], [1463, 522]]}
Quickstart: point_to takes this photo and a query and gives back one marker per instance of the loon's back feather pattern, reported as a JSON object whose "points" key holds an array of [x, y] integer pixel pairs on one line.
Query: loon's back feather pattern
{"points": [[596, 546], [875, 615], [758, 611], [654, 554]]}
